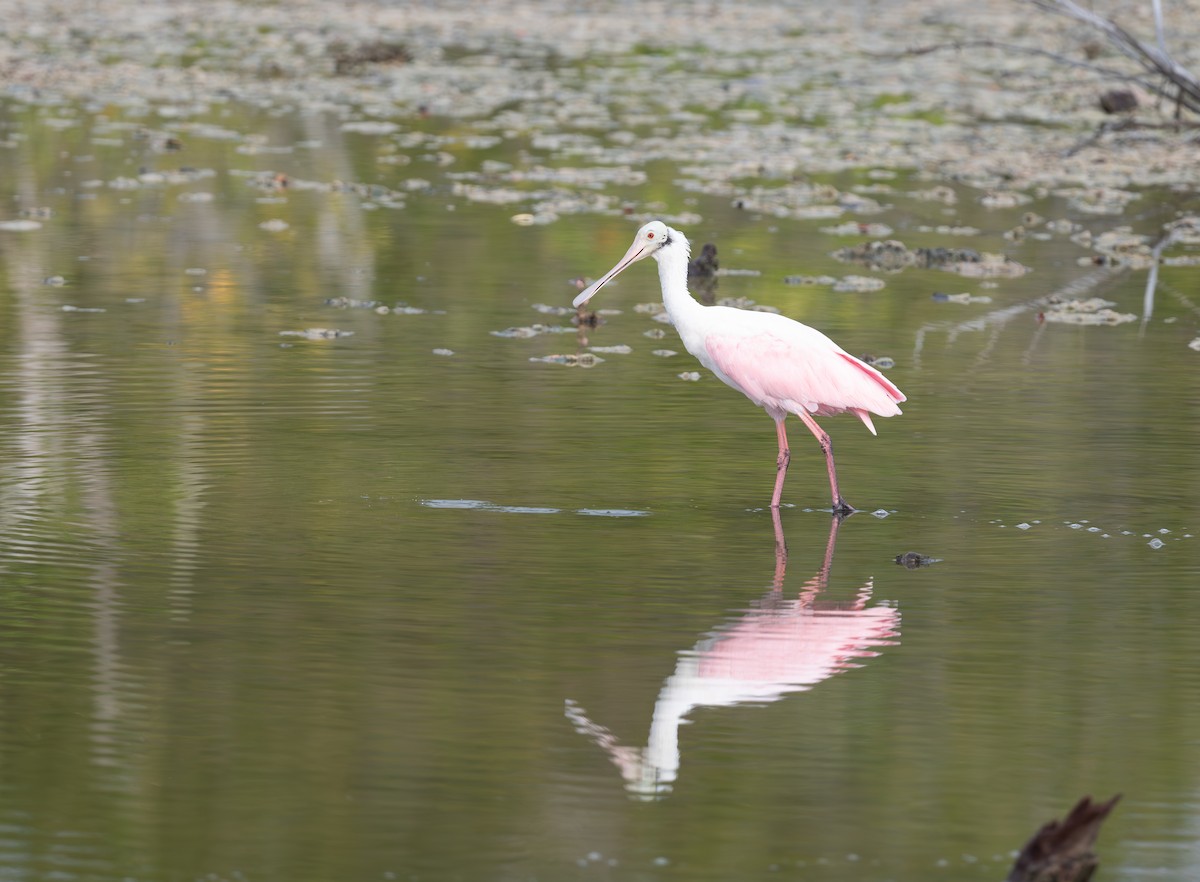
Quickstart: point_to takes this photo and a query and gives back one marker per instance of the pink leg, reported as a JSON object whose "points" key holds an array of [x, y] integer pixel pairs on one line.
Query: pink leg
{"points": [[781, 463], [840, 506]]}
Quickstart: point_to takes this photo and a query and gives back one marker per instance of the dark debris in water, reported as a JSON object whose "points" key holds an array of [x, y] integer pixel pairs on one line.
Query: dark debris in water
{"points": [[892, 255], [526, 331], [912, 560], [356, 58], [702, 273]]}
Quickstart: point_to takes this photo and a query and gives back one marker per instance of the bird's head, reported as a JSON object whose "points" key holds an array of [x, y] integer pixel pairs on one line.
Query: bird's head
{"points": [[650, 241]]}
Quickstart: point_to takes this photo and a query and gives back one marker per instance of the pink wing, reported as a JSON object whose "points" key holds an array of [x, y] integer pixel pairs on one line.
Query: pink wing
{"points": [[809, 372]]}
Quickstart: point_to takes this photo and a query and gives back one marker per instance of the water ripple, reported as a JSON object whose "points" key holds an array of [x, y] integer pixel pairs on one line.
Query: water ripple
{"points": [[483, 505]]}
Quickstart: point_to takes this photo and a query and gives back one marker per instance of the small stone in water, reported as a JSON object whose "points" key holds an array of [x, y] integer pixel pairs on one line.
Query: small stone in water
{"points": [[584, 360], [443, 352], [274, 226], [530, 331], [858, 284], [1156, 543], [350, 303], [814, 281], [964, 297], [853, 228], [1023, 526], [664, 353], [54, 281], [317, 333], [691, 376], [546, 309], [620, 349]]}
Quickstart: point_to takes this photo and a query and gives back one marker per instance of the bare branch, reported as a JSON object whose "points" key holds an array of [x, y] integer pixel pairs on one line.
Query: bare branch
{"points": [[1153, 86], [1154, 60]]}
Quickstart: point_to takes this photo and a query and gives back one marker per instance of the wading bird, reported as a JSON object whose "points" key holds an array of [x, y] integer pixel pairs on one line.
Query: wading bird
{"points": [[779, 364]]}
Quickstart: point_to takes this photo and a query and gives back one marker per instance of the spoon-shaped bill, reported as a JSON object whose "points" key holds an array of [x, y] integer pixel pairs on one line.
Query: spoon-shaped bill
{"points": [[635, 253]]}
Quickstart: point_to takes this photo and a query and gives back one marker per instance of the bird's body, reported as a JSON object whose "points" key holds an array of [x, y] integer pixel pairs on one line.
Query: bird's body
{"points": [[780, 364]]}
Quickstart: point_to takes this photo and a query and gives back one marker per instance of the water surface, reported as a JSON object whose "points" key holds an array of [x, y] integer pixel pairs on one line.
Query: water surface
{"points": [[338, 607]]}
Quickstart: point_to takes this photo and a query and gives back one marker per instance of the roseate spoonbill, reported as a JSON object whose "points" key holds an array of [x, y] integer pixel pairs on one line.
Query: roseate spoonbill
{"points": [[779, 646], [779, 364]]}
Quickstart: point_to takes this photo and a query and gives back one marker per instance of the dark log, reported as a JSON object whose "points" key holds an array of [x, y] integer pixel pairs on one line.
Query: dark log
{"points": [[1061, 851]]}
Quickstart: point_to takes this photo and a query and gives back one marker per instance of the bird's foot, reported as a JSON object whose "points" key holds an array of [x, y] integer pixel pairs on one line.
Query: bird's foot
{"points": [[843, 509]]}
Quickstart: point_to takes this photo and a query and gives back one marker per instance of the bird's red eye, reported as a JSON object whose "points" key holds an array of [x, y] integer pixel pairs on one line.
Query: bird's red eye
{"points": [[649, 235]]}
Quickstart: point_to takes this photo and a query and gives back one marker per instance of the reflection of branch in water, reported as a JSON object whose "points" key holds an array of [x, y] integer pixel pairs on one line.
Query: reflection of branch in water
{"points": [[779, 646], [998, 319], [1161, 245], [61, 449]]}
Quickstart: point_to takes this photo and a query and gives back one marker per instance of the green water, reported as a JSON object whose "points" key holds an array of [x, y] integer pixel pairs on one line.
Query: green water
{"points": [[284, 608]]}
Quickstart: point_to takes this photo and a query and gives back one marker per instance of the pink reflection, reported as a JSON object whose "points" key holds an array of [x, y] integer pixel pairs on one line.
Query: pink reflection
{"points": [[781, 645]]}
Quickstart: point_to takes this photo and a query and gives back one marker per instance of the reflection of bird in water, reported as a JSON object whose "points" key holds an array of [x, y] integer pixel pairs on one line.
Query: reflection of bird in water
{"points": [[779, 646], [702, 274], [779, 364]]}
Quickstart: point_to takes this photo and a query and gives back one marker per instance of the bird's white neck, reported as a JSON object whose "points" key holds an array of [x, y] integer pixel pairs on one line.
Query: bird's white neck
{"points": [[672, 275]]}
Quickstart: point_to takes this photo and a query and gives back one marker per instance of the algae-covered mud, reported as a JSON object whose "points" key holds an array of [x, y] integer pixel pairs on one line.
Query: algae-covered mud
{"points": [[745, 97]]}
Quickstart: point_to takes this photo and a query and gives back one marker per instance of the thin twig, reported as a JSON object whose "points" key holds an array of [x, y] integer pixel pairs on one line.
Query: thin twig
{"points": [[1106, 72], [1153, 60], [1104, 129], [1124, 125], [1181, 86], [1158, 26]]}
